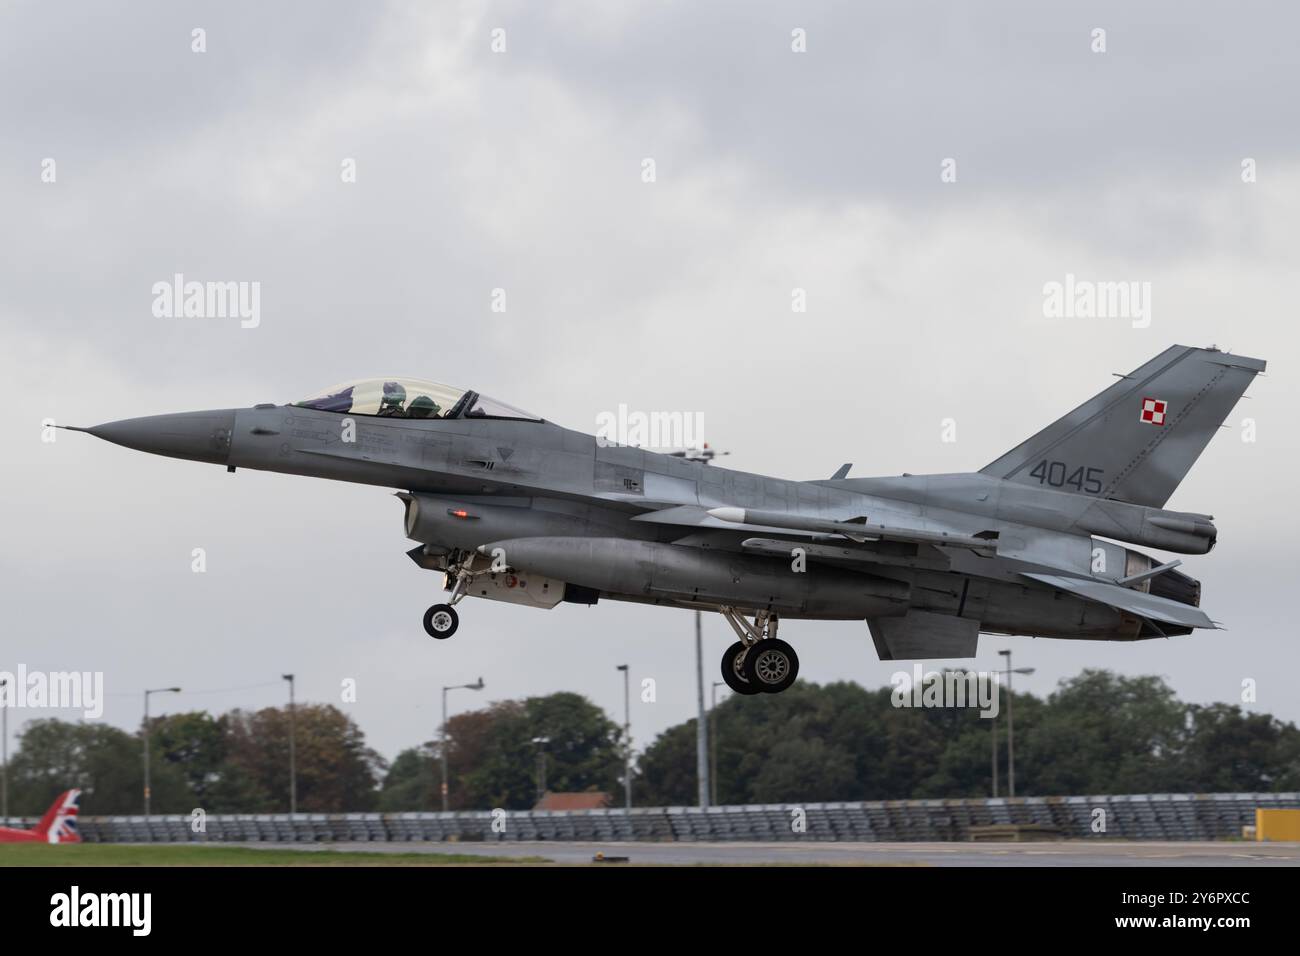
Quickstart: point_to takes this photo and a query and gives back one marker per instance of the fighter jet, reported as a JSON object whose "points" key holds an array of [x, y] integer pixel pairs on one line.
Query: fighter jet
{"points": [[511, 507]]}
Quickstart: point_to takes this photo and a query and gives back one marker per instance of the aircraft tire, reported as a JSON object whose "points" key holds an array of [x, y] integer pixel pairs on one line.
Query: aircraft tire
{"points": [[441, 621], [731, 674], [771, 666]]}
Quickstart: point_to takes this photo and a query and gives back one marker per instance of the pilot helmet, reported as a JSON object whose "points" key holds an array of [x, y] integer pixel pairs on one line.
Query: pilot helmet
{"points": [[422, 406], [394, 395]]}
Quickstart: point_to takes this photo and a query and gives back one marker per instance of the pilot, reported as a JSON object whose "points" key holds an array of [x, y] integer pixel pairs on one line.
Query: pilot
{"points": [[422, 406], [394, 398]]}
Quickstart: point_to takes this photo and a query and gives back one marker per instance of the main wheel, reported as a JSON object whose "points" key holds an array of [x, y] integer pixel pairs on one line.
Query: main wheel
{"points": [[441, 621], [732, 662], [771, 666]]}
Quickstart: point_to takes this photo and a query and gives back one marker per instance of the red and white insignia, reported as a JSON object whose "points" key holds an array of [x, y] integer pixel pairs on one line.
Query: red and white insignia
{"points": [[1153, 411]]}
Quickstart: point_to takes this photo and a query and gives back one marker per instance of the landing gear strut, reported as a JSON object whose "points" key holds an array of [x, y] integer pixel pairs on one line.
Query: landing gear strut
{"points": [[758, 663]]}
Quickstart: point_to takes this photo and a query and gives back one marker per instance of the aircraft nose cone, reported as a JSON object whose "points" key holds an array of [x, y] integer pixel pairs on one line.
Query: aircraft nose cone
{"points": [[197, 436]]}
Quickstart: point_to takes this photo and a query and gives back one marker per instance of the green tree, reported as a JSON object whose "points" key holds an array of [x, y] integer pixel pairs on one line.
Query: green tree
{"points": [[191, 746], [1101, 733], [411, 783], [1097, 733], [104, 762], [809, 743], [337, 772], [665, 772], [1230, 750], [493, 761]]}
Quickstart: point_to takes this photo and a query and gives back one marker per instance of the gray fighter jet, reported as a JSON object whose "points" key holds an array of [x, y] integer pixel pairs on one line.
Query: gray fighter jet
{"points": [[513, 508]]}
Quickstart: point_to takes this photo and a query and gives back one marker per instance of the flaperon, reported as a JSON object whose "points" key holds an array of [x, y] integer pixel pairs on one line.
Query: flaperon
{"points": [[514, 508]]}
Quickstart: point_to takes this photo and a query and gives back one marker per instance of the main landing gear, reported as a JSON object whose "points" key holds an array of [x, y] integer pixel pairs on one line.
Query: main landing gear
{"points": [[758, 663]]}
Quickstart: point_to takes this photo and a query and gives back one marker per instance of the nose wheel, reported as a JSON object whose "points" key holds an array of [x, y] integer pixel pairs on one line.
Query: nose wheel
{"points": [[758, 663], [441, 621]]}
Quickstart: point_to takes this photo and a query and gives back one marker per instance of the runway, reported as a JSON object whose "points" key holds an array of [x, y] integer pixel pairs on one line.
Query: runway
{"points": [[1063, 853]]}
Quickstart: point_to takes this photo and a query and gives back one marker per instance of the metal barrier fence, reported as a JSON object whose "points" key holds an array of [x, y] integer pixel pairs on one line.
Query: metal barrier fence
{"points": [[1162, 816]]}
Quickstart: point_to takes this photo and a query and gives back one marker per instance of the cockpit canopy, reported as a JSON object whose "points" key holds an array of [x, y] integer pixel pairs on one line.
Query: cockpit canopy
{"points": [[410, 398]]}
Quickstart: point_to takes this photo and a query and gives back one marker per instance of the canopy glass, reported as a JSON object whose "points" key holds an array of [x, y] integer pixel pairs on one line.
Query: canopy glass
{"points": [[410, 398]]}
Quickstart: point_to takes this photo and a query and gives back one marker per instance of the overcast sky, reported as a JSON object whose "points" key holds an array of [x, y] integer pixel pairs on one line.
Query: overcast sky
{"points": [[523, 170]]}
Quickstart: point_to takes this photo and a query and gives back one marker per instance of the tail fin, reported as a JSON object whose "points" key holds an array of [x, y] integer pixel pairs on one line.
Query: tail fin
{"points": [[59, 825], [1137, 439]]}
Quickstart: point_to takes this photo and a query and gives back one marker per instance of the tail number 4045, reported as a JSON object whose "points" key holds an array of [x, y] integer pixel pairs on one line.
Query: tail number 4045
{"points": [[1058, 475]]}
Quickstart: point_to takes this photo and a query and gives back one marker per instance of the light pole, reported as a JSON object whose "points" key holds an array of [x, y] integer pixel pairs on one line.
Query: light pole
{"points": [[4, 752], [159, 690], [713, 741], [293, 762], [994, 722], [541, 743], [477, 685], [703, 456], [627, 737], [701, 725], [1011, 730]]}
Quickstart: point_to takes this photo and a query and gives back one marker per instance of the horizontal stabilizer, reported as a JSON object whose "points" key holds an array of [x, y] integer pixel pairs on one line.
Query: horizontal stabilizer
{"points": [[922, 635], [1134, 602]]}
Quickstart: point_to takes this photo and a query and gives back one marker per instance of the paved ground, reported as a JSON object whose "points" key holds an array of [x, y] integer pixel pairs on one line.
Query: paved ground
{"points": [[1075, 853]]}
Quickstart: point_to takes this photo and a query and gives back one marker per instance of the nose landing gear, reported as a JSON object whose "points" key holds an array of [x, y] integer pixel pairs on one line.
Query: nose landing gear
{"points": [[441, 620], [759, 663]]}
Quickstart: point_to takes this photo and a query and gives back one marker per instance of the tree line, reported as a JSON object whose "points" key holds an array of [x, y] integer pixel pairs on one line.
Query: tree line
{"points": [[1096, 733]]}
